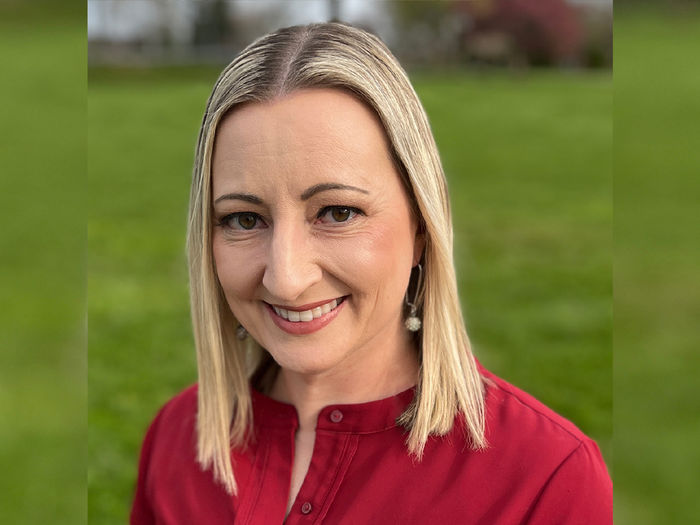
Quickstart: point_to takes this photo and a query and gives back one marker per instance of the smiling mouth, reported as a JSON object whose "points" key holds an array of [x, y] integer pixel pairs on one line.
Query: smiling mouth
{"points": [[304, 316]]}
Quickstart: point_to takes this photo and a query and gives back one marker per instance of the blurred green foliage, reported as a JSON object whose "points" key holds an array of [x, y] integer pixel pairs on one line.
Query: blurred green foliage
{"points": [[657, 287], [42, 266], [528, 158]]}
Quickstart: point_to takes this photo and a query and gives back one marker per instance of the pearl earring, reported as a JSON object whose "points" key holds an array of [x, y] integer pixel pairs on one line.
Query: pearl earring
{"points": [[413, 322], [241, 332]]}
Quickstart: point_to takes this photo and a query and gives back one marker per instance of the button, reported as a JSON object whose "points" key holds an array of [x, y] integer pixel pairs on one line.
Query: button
{"points": [[336, 416], [306, 508]]}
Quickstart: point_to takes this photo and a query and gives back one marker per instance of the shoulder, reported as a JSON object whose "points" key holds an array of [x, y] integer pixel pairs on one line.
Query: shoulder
{"points": [[512, 412], [167, 452], [180, 408], [571, 479], [173, 426]]}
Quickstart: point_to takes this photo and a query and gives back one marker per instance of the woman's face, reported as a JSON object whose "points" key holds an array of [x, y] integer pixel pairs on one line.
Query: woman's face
{"points": [[313, 239]]}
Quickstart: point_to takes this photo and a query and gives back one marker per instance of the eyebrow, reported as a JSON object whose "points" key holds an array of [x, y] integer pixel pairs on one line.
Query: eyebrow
{"points": [[313, 190], [247, 197]]}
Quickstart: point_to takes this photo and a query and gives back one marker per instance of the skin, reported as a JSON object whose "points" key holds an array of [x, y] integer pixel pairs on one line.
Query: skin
{"points": [[291, 249]]}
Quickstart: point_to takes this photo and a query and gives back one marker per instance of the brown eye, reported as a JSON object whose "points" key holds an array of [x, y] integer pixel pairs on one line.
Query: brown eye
{"points": [[247, 221], [340, 214], [337, 214], [242, 221]]}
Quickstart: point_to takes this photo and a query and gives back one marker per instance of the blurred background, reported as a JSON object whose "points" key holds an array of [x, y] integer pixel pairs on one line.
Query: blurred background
{"points": [[657, 284], [526, 144], [519, 95], [437, 33], [43, 359]]}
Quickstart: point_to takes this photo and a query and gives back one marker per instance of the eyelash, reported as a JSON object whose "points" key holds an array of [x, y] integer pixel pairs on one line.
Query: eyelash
{"points": [[224, 221], [353, 213]]}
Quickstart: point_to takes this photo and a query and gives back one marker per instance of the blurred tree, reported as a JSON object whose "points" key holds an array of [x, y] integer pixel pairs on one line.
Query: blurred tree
{"points": [[211, 26], [414, 13], [334, 10], [428, 31], [545, 32], [597, 46]]}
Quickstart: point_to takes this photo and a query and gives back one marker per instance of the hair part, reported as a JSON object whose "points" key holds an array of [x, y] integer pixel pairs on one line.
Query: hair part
{"points": [[330, 55]]}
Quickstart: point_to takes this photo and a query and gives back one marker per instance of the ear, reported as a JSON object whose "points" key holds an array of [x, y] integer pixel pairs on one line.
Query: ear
{"points": [[418, 246]]}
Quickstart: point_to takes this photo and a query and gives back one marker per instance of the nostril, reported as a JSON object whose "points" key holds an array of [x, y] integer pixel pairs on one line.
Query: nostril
{"points": [[288, 278]]}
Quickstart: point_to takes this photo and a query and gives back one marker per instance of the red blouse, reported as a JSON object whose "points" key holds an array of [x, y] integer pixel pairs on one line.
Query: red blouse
{"points": [[538, 469]]}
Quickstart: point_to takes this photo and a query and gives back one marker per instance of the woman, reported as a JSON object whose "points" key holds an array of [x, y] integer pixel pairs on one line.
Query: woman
{"points": [[336, 381]]}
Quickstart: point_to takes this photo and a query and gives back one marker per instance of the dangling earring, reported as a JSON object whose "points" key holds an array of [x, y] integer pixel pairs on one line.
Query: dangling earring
{"points": [[413, 322], [241, 332]]}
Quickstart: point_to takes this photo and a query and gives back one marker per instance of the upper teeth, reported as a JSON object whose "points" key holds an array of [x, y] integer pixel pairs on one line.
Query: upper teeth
{"points": [[306, 315]]}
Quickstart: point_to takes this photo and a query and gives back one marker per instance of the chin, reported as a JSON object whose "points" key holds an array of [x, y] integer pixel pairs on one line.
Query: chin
{"points": [[307, 364]]}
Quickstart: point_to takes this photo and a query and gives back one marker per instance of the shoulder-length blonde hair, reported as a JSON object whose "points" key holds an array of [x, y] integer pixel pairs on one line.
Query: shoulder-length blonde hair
{"points": [[336, 56]]}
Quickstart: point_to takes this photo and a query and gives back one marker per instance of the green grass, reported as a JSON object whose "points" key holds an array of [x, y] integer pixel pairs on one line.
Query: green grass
{"points": [[657, 290], [141, 139], [42, 271], [529, 163], [528, 159]]}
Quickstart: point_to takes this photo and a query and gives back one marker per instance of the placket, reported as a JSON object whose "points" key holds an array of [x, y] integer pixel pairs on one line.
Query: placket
{"points": [[265, 499], [333, 453]]}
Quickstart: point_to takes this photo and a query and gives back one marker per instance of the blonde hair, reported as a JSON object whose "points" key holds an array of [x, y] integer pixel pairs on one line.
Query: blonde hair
{"points": [[331, 56]]}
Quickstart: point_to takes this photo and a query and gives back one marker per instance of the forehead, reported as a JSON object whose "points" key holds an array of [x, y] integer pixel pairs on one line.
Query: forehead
{"points": [[322, 114], [309, 131]]}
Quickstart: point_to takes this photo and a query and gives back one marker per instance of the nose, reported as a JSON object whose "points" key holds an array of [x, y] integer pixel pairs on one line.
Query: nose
{"points": [[291, 265]]}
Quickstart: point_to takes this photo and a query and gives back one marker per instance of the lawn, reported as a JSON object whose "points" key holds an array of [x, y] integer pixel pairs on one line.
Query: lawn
{"points": [[657, 289], [42, 273], [528, 158]]}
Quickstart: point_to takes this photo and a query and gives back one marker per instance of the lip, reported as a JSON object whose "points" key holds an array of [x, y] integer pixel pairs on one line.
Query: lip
{"points": [[304, 327], [304, 306]]}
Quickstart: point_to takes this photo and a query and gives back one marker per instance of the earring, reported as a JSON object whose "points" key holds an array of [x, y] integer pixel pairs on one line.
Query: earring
{"points": [[413, 322], [241, 332]]}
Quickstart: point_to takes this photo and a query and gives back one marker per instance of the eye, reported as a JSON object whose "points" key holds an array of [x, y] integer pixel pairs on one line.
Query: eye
{"points": [[332, 214], [242, 221]]}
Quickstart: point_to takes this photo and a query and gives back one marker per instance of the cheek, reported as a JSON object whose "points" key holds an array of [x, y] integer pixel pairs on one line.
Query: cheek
{"points": [[378, 262], [235, 269]]}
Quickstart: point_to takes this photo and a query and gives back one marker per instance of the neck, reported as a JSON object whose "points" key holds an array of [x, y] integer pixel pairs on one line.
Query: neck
{"points": [[309, 393]]}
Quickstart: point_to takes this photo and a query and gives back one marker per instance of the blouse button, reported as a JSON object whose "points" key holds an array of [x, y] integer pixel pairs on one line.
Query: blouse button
{"points": [[336, 416], [306, 508]]}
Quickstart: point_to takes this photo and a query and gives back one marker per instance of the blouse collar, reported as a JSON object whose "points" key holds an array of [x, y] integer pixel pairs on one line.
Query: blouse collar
{"points": [[361, 418]]}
